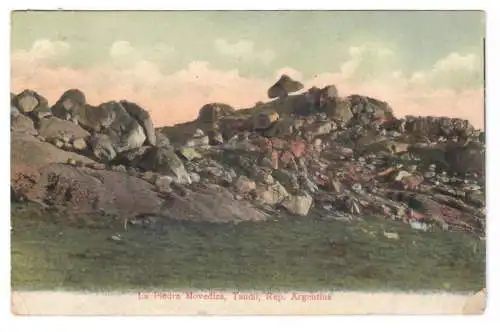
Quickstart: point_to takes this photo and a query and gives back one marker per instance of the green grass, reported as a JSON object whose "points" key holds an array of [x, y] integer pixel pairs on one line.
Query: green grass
{"points": [[51, 251]]}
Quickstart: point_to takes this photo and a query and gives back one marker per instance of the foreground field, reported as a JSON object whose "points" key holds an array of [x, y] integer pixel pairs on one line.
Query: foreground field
{"points": [[54, 251]]}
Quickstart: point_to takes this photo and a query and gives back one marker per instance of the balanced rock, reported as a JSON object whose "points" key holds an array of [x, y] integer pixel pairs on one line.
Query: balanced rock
{"points": [[284, 86]]}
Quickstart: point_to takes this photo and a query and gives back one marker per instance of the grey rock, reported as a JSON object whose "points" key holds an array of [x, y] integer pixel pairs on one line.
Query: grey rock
{"points": [[70, 101], [162, 140], [112, 120], [28, 101], [143, 118], [165, 162], [102, 147], [298, 204], [213, 112]]}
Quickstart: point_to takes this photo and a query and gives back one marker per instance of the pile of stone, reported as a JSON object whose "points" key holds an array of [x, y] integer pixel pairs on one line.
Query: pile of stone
{"points": [[311, 153]]}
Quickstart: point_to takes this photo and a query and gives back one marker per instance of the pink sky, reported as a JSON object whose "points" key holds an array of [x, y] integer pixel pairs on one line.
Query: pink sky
{"points": [[177, 97]]}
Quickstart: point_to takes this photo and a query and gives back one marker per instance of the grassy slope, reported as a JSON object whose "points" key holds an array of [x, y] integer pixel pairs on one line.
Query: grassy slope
{"points": [[50, 251]]}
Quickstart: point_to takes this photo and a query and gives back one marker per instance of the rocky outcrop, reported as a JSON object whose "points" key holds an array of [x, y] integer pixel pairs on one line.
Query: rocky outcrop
{"points": [[116, 130], [434, 127], [311, 153]]}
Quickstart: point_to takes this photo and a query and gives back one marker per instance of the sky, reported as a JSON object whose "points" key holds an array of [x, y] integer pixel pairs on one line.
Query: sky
{"points": [[172, 63]]}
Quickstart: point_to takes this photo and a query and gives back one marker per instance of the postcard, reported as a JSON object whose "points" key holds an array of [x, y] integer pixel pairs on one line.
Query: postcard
{"points": [[247, 162]]}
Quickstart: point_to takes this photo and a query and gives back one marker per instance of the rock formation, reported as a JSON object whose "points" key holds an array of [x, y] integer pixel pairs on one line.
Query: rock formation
{"points": [[313, 152]]}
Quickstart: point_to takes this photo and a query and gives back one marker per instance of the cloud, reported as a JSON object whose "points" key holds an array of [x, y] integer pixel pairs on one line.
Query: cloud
{"points": [[122, 51], [449, 88], [178, 96], [367, 62], [244, 50], [43, 52], [171, 99], [123, 54], [44, 49], [455, 71]]}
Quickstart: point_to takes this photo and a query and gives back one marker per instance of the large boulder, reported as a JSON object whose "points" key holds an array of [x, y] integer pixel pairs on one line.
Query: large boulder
{"points": [[54, 127], [213, 112], [210, 203], [118, 130], [69, 103], [143, 117], [283, 87], [93, 118], [164, 161], [125, 131], [26, 101], [31, 103]]}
